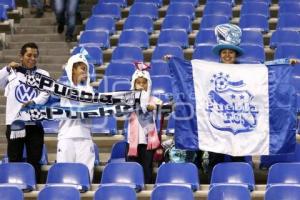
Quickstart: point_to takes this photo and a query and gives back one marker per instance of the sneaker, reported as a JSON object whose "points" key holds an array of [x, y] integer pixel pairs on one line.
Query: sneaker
{"points": [[60, 28], [69, 38]]}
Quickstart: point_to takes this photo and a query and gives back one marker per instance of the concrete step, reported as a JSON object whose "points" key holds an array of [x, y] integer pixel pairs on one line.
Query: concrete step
{"points": [[52, 37], [38, 21], [50, 45], [42, 59], [19, 29]]}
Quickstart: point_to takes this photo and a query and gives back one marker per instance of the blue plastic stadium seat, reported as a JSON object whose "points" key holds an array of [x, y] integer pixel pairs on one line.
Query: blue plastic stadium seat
{"points": [[168, 174], [162, 87], [287, 51], [174, 192], [112, 84], [218, 8], [8, 4], [284, 174], [122, 54], [181, 9], [225, 192], [104, 125], [97, 158], [121, 3], [115, 192], [160, 51], [159, 68], [101, 23], [204, 52], [95, 54], [263, 1], [205, 37], [252, 38], [284, 37], [118, 152], [158, 3], [11, 193], [260, 8], [144, 9], [252, 54], [50, 126], [142, 23], [290, 192], [211, 21], [289, 7], [180, 22], [95, 38], [58, 192], [174, 38], [231, 2], [135, 38], [288, 21], [69, 174], [107, 9], [194, 2], [20, 175], [170, 130], [3, 13], [123, 70], [254, 22], [123, 173], [236, 173]]}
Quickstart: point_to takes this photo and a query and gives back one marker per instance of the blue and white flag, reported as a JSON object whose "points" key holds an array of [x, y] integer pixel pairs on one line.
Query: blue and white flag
{"points": [[234, 109]]}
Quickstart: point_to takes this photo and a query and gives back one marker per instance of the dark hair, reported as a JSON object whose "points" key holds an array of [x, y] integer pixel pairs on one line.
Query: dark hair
{"points": [[28, 45]]}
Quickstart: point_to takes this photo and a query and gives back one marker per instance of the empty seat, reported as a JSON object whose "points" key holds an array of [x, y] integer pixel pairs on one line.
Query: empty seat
{"points": [[204, 52], [287, 51], [101, 23], [218, 8], [174, 38], [167, 174], [118, 152], [284, 173], [263, 1], [143, 23], [21, 175], [288, 21], [95, 54], [289, 7], [205, 37], [123, 173], [225, 192], [69, 174], [254, 22], [107, 9], [9, 4], [58, 192], [159, 68], [160, 51], [144, 9], [122, 54], [158, 3], [231, 2], [162, 88], [174, 192], [97, 158], [95, 38], [252, 54], [290, 192], [181, 9], [124, 70], [177, 22], [11, 193], [104, 125], [50, 126], [112, 84], [211, 21], [3, 13], [115, 192], [121, 3], [236, 173], [260, 8], [252, 38], [135, 38], [284, 37]]}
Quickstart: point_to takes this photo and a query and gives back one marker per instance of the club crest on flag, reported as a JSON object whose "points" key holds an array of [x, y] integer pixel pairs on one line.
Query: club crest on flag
{"points": [[230, 106]]}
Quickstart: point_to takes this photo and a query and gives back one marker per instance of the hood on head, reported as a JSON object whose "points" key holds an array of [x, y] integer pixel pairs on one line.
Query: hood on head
{"points": [[141, 74]]}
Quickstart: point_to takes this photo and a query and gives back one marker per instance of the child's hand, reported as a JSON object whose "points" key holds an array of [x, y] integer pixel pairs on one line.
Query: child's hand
{"points": [[294, 61], [151, 107]]}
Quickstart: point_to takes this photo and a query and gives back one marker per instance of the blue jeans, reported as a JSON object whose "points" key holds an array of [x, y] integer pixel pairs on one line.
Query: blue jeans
{"points": [[65, 11], [39, 4]]}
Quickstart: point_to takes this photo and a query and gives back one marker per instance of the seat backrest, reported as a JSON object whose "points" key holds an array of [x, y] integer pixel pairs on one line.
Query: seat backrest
{"points": [[112, 84], [3, 13], [69, 174], [283, 173], [287, 51], [115, 192], [135, 38], [107, 9], [97, 157], [101, 23], [144, 9], [289, 7], [181, 8], [21, 175], [159, 68], [174, 192], [205, 37], [127, 54], [104, 125], [288, 21], [204, 52], [264, 1], [11, 193], [95, 38], [158, 3], [123, 173], [123, 70], [50, 126], [261, 8], [284, 37], [290, 192], [231, 2], [254, 22], [95, 54], [162, 87], [160, 51], [252, 54], [58, 192], [9, 4], [118, 152], [121, 3], [224, 192], [233, 173], [194, 2], [174, 38], [180, 22], [252, 38], [136, 22], [218, 8], [168, 174], [211, 21]]}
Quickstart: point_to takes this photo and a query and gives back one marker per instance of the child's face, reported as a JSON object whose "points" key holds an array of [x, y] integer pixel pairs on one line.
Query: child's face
{"points": [[141, 84], [79, 72]]}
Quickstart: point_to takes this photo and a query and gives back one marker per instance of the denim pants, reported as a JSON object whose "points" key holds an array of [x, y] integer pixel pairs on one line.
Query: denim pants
{"points": [[39, 4], [65, 11]]}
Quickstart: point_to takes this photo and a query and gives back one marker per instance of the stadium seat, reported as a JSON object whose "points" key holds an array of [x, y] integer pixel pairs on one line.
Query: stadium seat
{"points": [[160, 51], [284, 174], [236, 173], [254, 22], [50, 126], [144, 9], [158, 3], [289, 7], [11, 193], [123, 173], [287, 51], [174, 38], [177, 22], [107, 9], [159, 68], [290, 192], [118, 152], [170, 130], [218, 8], [122, 54], [134, 38], [194, 2], [205, 37], [115, 192], [260, 8], [226, 192], [252, 54], [288, 21], [204, 52], [172, 192], [121, 3], [95, 54], [162, 88], [181, 9], [141, 23], [231, 2], [21, 175], [101, 23], [97, 158], [211, 21], [104, 125], [69, 174], [112, 84], [95, 38], [3, 13], [252, 38], [58, 192], [8, 4], [263, 1], [284, 37], [123, 70]]}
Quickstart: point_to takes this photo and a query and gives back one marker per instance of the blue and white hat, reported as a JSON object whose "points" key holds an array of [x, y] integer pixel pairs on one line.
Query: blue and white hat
{"points": [[228, 37]]}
